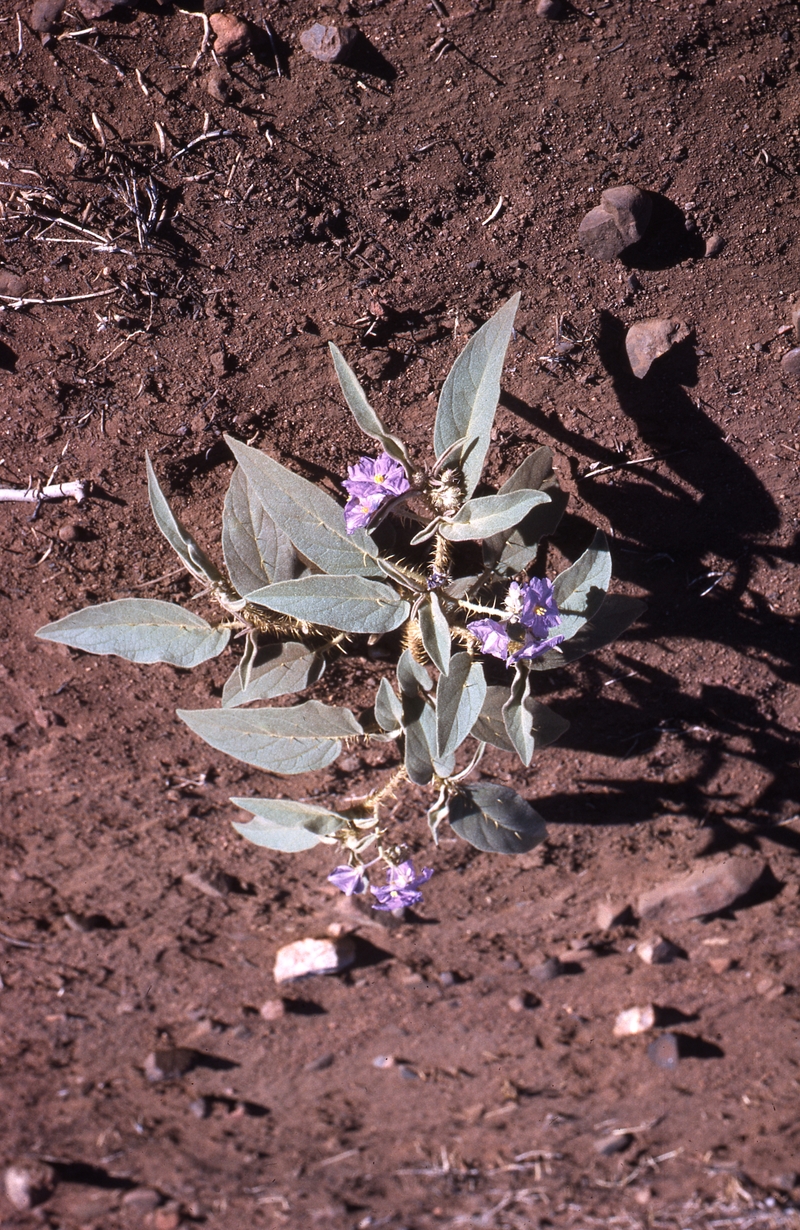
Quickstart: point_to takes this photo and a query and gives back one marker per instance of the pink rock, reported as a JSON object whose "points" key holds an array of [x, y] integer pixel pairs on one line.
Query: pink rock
{"points": [[630, 208], [646, 340], [598, 235], [233, 36], [703, 892]]}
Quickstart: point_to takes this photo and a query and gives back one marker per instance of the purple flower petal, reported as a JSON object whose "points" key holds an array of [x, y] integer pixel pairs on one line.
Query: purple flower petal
{"points": [[402, 887], [382, 476], [359, 510], [349, 879], [533, 648], [539, 612], [492, 635]]}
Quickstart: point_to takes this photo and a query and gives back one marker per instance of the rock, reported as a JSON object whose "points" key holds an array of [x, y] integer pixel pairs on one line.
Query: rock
{"points": [[520, 1003], [218, 85], [714, 245], [93, 9], [447, 978], [166, 1219], [608, 915], [273, 1010], [703, 892], [647, 340], [71, 532], [790, 363], [10, 284], [631, 210], [200, 1108], [618, 1142], [384, 1061], [548, 970], [619, 220], [721, 965], [45, 15], [330, 44], [634, 1021], [141, 1199], [551, 9], [304, 958], [29, 1183], [169, 1063], [770, 989], [657, 951], [233, 36], [219, 362], [212, 883], [598, 235], [664, 1052], [796, 322], [321, 1063]]}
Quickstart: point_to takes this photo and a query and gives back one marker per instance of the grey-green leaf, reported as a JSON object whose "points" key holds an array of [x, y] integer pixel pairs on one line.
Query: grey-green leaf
{"points": [[580, 590], [496, 819], [419, 728], [274, 670], [388, 709], [471, 391], [491, 514], [518, 717], [435, 632], [256, 551], [178, 537], [459, 700], [490, 727], [141, 630], [347, 603], [412, 675], [294, 740], [616, 614], [282, 824], [362, 411], [312, 519], [514, 551]]}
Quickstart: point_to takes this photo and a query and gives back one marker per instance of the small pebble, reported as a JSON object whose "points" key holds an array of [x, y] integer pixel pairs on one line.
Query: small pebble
{"points": [[200, 1108], [409, 1074], [166, 1219], [790, 363], [45, 15], [721, 965], [321, 1063], [306, 958], [664, 1052], [634, 1021], [330, 44], [218, 85], [714, 245], [547, 971], [273, 1010], [72, 531], [169, 1063], [657, 951], [383, 1061], [796, 322], [448, 978], [607, 1146], [94, 9], [551, 9], [141, 1199], [29, 1183], [647, 340], [212, 883], [233, 37], [608, 915], [523, 1002]]}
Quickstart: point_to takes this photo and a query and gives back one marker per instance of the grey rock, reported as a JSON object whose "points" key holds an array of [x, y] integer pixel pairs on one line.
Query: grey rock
{"points": [[551, 9], [306, 958], [233, 36], [631, 210], [547, 971], [790, 363], [664, 1053], [607, 1146], [29, 1183], [647, 340], [321, 1063], [703, 892], [714, 245], [141, 1200], [598, 235], [169, 1063], [657, 951], [272, 1010], [94, 9], [200, 1108], [330, 44]]}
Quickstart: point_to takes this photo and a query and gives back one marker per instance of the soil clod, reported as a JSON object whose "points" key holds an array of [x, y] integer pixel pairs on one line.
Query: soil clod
{"points": [[233, 36]]}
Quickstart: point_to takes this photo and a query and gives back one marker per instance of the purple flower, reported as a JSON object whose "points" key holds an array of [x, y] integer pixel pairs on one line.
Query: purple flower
{"points": [[383, 477], [401, 887], [437, 579], [539, 612], [349, 879], [534, 647], [359, 509], [492, 635]]}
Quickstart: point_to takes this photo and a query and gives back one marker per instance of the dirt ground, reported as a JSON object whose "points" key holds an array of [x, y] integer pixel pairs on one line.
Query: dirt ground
{"points": [[390, 206]]}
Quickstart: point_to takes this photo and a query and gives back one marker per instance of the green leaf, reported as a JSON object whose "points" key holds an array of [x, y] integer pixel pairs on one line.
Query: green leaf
{"points": [[388, 709], [348, 603], [294, 740], [312, 519], [471, 391], [616, 614], [282, 824], [581, 589], [495, 819], [459, 699], [411, 675], [435, 632], [419, 729], [490, 514], [514, 551], [518, 717], [141, 630], [178, 537], [274, 670], [489, 726], [256, 551], [363, 413]]}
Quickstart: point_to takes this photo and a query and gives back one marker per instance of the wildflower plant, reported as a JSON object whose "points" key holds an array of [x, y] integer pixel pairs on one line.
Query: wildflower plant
{"points": [[467, 625]]}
